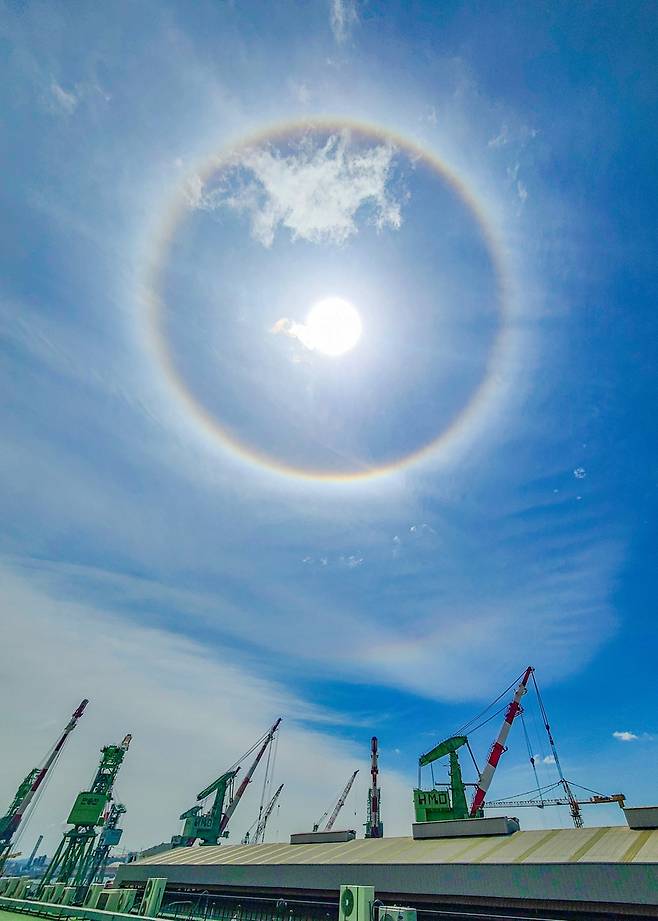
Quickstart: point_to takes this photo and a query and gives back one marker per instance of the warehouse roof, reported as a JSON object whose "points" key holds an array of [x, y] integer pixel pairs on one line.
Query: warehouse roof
{"points": [[613, 869], [616, 844]]}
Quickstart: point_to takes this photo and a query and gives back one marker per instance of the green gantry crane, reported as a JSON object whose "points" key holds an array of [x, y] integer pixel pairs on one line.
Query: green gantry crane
{"points": [[73, 859], [437, 805], [109, 837]]}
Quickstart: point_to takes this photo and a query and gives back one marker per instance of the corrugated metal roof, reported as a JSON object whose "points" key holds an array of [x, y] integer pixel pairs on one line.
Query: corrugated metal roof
{"points": [[617, 844]]}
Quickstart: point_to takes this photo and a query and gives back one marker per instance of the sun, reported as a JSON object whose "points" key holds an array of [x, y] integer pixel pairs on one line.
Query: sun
{"points": [[333, 326]]}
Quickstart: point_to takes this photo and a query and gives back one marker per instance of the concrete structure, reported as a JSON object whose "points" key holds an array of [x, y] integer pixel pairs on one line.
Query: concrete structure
{"points": [[641, 816], [466, 828], [323, 837], [612, 871]]}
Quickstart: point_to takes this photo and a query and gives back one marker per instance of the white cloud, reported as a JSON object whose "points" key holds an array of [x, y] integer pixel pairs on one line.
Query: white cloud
{"points": [[300, 92], [60, 100], [518, 136], [343, 18], [431, 117], [625, 736], [193, 190], [66, 101], [500, 139], [315, 193]]}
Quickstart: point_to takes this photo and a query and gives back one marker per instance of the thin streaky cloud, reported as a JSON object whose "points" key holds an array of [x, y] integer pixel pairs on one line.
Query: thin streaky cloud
{"points": [[343, 17]]}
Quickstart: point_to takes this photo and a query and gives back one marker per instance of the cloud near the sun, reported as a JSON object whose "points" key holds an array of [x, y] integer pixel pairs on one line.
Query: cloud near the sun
{"points": [[315, 192], [295, 330]]}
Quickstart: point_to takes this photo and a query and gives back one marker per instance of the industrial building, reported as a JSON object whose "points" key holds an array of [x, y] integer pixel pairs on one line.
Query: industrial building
{"points": [[581, 872]]}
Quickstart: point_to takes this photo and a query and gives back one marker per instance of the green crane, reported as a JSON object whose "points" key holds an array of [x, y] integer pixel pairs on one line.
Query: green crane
{"points": [[73, 858], [109, 837], [435, 804], [7, 821], [209, 827], [206, 825], [30, 789]]}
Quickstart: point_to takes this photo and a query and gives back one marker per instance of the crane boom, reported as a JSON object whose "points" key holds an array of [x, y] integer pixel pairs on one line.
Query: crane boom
{"points": [[232, 806], [443, 748], [563, 801], [260, 830], [341, 802], [497, 749], [28, 790]]}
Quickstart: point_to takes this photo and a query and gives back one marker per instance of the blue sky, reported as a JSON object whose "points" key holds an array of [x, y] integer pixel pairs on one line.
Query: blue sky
{"points": [[194, 591]]}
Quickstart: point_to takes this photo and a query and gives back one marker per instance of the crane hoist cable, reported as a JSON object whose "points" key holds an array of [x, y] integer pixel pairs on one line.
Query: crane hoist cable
{"points": [[499, 746], [530, 754], [576, 814], [267, 778], [241, 759], [545, 789], [470, 751], [250, 751], [469, 726]]}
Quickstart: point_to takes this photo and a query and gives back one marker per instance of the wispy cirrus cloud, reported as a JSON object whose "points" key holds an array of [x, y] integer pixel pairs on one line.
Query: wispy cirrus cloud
{"points": [[343, 17], [66, 100]]}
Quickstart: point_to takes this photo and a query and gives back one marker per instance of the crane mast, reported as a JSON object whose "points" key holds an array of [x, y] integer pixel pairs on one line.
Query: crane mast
{"points": [[29, 788], [497, 749], [374, 824]]}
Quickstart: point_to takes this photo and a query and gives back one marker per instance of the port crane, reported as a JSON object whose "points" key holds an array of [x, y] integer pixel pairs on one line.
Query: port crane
{"points": [[374, 824], [498, 748], [339, 805], [451, 803], [29, 790], [109, 837], [73, 859], [436, 805], [209, 827], [595, 800], [261, 823]]}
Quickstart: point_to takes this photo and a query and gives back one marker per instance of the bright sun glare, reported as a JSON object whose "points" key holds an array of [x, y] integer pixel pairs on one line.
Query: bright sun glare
{"points": [[333, 326]]}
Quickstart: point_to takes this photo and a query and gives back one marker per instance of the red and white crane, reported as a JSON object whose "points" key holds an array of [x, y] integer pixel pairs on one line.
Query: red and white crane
{"points": [[232, 806], [9, 823], [497, 749], [374, 825]]}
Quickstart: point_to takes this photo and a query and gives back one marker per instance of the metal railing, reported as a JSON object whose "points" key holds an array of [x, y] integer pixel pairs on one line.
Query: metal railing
{"points": [[206, 906]]}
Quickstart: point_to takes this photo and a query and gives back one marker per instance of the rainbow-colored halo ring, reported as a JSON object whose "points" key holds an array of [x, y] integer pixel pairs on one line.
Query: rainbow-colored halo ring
{"points": [[472, 410]]}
